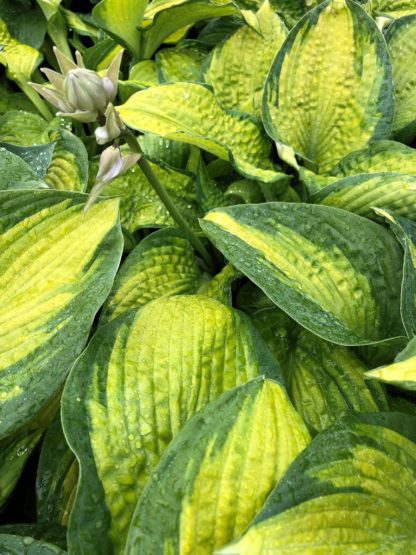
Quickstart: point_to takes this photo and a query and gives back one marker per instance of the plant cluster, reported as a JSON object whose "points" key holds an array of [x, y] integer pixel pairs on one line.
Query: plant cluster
{"points": [[207, 277]]}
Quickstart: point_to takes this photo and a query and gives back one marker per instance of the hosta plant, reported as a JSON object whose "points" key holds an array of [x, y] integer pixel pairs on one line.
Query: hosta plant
{"points": [[207, 277]]}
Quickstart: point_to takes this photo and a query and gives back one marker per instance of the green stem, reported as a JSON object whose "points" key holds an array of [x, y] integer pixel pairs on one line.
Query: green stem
{"points": [[37, 101], [165, 198]]}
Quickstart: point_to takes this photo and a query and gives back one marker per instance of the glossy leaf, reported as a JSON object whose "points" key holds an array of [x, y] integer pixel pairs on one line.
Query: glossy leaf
{"points": [[56, 268], [13, 545], [180, 64], [170, 17], [121, 19], [163, 264], [139, 204], [189, 112], [405, 231], [335, 273], [19, 59], [15, 173], [239, 65], [23, 129], [351, 491], [402, 372], [208, 465], [56, 478], [393, 8], [326, 382], [14, 454], [401, 37], [68, 169], [351, 106], [141, 378], [360, 193]]}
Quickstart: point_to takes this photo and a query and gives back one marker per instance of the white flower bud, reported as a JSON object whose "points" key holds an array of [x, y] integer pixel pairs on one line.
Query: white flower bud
{"points": [[84, 90]]}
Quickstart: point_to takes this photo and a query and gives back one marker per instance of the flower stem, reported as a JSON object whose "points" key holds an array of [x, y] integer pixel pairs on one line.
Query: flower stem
{"points": [[37, 101], [165, 198]]}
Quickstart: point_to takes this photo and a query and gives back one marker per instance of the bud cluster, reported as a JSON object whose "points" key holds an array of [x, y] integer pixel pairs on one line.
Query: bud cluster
{"points": [[81, 93]]}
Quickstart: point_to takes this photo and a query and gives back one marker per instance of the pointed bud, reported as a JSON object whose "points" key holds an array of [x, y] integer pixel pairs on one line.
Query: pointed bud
{"points": [[111, 75], [112, 165], [84, 90], [64, 63], [112, 128]]}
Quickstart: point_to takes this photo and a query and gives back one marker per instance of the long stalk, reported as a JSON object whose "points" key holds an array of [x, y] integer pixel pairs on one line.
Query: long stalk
{"points": [[165, 198]]}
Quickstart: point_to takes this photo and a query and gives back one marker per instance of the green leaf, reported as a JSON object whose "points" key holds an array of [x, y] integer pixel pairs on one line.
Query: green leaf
{"points": [[352, 105], [189, 112], [401, 37], [165, 153], [23, 129], [239, 65], [220, 287], [402, 372], [360, 193], [19, 59], [25, 25], [182, 63], [327, 381], [56, 269], [14, 454], [56, 478], [49, 7], [37, 157], [351, 491], [45, 534], [174, 15], [15, 173], [393, 8], [292, 10], [405, 231], [380, 156], [140, 379], [335, 273], [19, 545], [121, 19], [162, 265], [207, 465], [139, 204], [68, 169]]}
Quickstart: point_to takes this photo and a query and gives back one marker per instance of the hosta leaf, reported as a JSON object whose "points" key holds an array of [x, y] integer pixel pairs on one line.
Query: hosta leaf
{"points": [[174, 16], [121, 19], [15, 173], [220, 287], [239, 65], [19, 545], [360, 193], [180, 64], [380, 156], [37, 157], [402, 372], [26, 25], [207, 465], [393, 8], [189, 112], [45, 534], [56, 268], [68, 169], [139, 204], [166, 153], [56, 478], [23, 129], [14, 454], [219, 29], [351, 491], [163, 264], [351, 106], [293, 10], [327, 381], [405, 231], [141, 378], [335, 273], [19, 59], [401, 37]]}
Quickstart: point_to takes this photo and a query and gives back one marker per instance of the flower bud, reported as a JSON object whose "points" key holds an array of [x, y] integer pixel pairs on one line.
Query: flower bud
{"points": [[112, 128], [84, 90]]}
